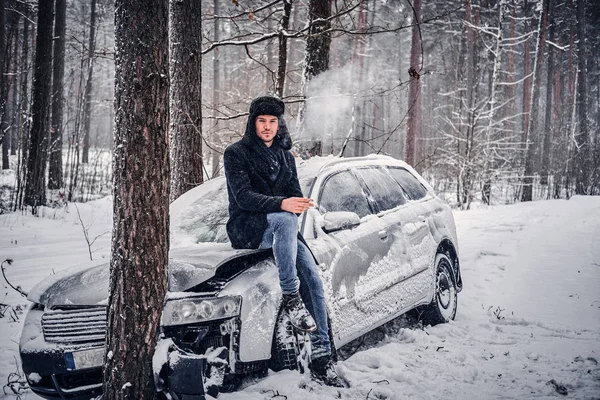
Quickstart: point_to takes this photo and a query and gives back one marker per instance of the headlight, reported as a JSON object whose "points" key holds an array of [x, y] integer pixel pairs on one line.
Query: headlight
{"points": [[193, 310]]}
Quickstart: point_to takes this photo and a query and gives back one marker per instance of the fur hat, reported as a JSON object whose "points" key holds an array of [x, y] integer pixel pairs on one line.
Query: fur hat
{"points": [[266, 105]]}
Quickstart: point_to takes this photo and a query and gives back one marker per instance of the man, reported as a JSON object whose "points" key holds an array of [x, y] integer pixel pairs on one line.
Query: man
{"points": [[264, 198]]}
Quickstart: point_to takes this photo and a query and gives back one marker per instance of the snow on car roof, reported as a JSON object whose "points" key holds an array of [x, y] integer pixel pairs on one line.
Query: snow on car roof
{"points": [[313, 166]]}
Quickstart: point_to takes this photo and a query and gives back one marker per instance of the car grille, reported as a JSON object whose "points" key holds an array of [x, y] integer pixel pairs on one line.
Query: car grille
{"points": [[80, 326]]}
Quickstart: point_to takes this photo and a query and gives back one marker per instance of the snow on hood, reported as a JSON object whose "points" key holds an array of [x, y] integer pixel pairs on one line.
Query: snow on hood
{"points": [[188, 267]]}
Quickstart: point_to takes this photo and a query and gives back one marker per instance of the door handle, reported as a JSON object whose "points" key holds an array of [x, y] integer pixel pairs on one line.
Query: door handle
{"points": [[383, 234]]}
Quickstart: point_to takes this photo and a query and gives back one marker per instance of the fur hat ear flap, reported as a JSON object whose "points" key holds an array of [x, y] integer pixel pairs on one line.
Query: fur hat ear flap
{"points": [[266, 105], [285, 140]]}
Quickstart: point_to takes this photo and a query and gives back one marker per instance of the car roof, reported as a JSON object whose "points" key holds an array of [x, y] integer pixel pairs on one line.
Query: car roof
{"points": [[315, 165], [318, 165]]}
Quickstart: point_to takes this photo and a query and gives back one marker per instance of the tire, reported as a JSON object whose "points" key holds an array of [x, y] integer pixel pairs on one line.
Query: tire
{"points": [[291, 349], [443, 306]]}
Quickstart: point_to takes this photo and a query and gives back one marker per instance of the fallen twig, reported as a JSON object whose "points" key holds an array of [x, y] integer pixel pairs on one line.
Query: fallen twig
{"points": [[9, 261]]}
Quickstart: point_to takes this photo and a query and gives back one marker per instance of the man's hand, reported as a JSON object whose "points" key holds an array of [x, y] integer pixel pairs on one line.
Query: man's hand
{"points": [[296, 205]]}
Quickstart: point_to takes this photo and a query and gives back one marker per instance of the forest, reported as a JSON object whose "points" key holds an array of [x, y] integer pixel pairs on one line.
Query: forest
{"points": [[491, 100]]}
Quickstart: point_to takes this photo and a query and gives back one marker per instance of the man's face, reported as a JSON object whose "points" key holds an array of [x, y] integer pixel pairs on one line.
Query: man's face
{"points": [[266, 128]]}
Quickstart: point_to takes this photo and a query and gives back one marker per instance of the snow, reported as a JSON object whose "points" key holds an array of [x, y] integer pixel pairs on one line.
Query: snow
{"points": [[527, 326]]}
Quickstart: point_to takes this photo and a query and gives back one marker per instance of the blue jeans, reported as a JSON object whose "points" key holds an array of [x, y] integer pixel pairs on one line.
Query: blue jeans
{"points": [[298, 270]]}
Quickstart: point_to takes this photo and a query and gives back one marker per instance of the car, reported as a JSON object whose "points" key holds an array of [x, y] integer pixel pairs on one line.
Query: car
{"points": [[384, 242]]}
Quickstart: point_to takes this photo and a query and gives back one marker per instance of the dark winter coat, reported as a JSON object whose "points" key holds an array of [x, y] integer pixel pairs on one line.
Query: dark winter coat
{"points": [[252, 193]]}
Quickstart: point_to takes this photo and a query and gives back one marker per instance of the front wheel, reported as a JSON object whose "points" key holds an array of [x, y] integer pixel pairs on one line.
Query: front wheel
{"points": [[291, 349], [442, 308]]}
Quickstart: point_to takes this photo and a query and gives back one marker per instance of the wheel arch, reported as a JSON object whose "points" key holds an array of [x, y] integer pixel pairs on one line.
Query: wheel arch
{"points": [[447, 247]]}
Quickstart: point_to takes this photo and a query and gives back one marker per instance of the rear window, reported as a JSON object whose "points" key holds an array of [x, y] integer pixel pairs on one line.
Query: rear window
{"points": [[409, 183]]}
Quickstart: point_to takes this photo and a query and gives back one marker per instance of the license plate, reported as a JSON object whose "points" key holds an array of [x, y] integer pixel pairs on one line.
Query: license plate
{"points": [[82, 359]]}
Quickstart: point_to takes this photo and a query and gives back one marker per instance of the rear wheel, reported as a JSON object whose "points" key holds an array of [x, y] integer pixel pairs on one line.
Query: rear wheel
{"points": [[443, 306]]}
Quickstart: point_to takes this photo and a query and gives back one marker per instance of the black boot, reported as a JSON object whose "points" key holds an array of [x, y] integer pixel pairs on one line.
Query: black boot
{"points": [[323, 370], [299, 316]]}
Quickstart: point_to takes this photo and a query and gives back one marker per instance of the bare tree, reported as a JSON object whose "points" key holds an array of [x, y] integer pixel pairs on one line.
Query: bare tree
{"points": [[547, 129], [316, 57], [185, 94], [216, 78], [88, 85], [55, 173], [414, 94], [35, 190], [140, 242], [582, 162], [531, 127], [285, 24], [3, 87]]}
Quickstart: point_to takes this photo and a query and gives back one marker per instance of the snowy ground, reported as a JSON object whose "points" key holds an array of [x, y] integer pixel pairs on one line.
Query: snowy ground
{"points": [[528, 322]]}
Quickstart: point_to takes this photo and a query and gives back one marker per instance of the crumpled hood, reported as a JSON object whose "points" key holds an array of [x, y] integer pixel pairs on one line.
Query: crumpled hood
{"points": [[188, 267]]}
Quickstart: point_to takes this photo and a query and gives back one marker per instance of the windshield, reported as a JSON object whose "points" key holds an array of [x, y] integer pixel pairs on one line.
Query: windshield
{"points": [[200, 215]]}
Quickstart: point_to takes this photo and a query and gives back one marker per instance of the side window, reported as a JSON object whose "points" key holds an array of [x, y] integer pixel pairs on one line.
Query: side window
{"points": [[383, 188], [342, 192], [409, 183]]}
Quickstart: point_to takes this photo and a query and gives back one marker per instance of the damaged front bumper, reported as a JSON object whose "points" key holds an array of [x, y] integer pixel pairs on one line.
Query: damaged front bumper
{"points": [[189, 376]]}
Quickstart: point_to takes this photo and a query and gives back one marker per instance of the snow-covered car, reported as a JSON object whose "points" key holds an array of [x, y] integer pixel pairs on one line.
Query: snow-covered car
{"points": [[385, 244]]}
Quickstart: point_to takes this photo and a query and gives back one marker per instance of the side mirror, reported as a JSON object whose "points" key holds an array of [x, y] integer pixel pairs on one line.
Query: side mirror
{"points": [[339, 220]]}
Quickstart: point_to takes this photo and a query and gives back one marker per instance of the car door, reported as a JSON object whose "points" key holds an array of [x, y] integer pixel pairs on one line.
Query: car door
{"points": [[420, 215], [399, 286], [345, 256]]}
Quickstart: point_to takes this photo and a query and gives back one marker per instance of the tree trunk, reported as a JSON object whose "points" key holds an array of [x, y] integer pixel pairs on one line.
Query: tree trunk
{"points": [[185, 69], [316, 58], [582, 162], [14, 113], [24, 114], [140, 242], [3, 87], [85, 154], [35, 190], [548, 127], [281, 68], [414, 91], [358, 69], [55, 174], [531, 126], [215, 156]]}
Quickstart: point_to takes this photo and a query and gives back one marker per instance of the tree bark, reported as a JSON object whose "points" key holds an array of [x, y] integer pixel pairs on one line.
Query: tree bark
{"points": [[531, 126], [215, 156], [316, 59], [548, 129], [281, 68], [24, 114], [414, 90], [582, 162], [3, 87], [35, 190], [55, 174], [185, 68], [14, 109], [85, 154], [319, 40], [140, 242]]}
